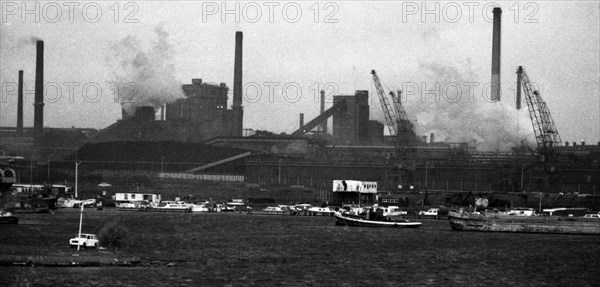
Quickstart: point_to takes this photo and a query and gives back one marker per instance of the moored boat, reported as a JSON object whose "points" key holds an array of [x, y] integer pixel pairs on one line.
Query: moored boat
{"points": [[132, 205], [499, 222], [7, 218], [67, 202], [325, 211], [346, 219], [172, 206]]}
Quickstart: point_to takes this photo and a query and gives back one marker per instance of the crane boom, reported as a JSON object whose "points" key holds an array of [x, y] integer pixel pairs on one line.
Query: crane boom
{"points": [[385, 105], [546, 134], [402, 130]]}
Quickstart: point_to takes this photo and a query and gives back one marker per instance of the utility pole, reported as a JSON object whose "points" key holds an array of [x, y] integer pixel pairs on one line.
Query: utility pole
{"points": [[76, 179], [48, 174]]}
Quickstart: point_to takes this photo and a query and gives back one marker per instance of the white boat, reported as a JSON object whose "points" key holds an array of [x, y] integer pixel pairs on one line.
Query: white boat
{"points": [[321, 210], [277, 209], [345, 219], [393, 211], [199, 208], [592, 215], [521, 212], [236, 202], [68, 202], [302, 207], [172, 206]]}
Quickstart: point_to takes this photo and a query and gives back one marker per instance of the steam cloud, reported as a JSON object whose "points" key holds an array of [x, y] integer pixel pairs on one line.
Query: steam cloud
{"points": [[486, 126], [145, 78]]}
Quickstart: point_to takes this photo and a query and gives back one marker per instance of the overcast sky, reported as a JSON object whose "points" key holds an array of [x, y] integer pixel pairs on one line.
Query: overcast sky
{"points": [[556, 42]]}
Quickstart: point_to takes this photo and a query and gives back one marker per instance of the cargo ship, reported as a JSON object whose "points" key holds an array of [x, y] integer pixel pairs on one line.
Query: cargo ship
{"points": [[499, 222]]}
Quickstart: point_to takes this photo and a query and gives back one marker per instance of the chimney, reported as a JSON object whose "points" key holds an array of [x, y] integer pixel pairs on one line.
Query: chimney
{"points": [[566, 143], [324, 123], [20, 105], [574, 143], [496, 55], [238, 112], [301, 120], [162, 112], [519, 76], [431, 138], [38, 116], [582, 143]]}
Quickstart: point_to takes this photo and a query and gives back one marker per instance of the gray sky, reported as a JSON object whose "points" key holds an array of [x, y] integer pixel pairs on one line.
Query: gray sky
{"points": [[556, 42]]}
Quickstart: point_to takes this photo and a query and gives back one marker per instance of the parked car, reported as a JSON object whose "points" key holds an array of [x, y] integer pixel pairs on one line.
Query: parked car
{"points": [[84, 240], [430, 213]]}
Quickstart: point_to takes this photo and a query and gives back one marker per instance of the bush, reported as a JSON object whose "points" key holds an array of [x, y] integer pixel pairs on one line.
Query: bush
{"points": [[113, 234]]}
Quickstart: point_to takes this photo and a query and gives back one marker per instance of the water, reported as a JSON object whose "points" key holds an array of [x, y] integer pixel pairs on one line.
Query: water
{"points": [[240, 249]]}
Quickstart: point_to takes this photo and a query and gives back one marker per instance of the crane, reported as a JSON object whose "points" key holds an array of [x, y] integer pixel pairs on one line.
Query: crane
{"points": [[546, 134], [396, 119], [389, 112], [400, 127]]}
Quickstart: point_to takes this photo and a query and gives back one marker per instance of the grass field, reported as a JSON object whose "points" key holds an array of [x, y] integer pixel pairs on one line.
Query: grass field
{"points": [[220, 249]]}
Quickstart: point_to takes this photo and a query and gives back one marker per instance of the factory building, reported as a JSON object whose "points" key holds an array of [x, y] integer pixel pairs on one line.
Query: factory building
{"points": [[201, 115], [351, 125], [204, 106]]}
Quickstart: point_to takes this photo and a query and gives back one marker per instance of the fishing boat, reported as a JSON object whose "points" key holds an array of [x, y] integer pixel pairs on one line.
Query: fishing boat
{"points": [[371, 219], [501, 222]]}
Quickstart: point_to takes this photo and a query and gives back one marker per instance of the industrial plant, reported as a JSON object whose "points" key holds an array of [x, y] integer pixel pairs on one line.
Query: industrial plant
{"points": [[200, 134]]}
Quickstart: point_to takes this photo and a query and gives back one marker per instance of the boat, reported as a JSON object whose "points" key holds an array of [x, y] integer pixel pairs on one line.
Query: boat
{"points": [[172, 206], [280, 209], [325, 211], [520, 211], [592, 215], [393, 211], [500, 222], [371, 220], [7, 218], [199, 208], [67, 202], [235, 202], [133, 205]]}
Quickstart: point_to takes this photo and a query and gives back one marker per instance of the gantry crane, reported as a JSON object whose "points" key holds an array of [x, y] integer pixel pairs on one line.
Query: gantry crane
{"points": [[401, 128], [546, 134]]}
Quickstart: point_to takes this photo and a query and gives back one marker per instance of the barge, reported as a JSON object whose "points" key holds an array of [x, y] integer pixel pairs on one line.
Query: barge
{"points": [[498, 222]]}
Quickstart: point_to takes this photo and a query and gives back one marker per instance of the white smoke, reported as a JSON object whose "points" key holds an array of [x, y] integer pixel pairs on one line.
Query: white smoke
{"points": [[460, 117], [145, 78]]}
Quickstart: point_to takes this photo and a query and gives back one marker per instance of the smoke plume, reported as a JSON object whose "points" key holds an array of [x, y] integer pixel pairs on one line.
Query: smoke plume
{"points": [[145, 78], [462, 115]]}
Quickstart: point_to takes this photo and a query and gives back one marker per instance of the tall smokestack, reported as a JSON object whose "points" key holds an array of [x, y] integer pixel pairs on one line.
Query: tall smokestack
{"points": [[238, 112], [496, 55], [324, 123], [20, 105], [38, 116], [301, 120], [431, 138], [519, 78]]}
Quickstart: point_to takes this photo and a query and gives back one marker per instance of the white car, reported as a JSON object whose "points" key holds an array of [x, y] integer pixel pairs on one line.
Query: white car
{"points": [[430, 212], [84, 240]]}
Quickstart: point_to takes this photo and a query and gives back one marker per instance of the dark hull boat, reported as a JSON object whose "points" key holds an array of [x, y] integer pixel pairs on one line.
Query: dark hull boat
{"points": [[469, 221], [347, 220]]}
